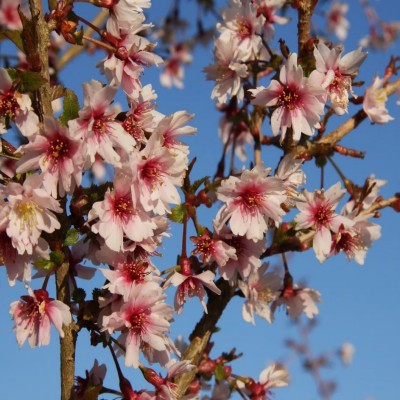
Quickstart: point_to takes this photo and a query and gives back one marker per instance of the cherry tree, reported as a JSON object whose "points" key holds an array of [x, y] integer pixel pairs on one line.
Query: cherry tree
{"points": [[96, 179]]}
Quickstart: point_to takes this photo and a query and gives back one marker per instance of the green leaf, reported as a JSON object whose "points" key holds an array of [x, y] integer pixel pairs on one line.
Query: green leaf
{"points": [[27, 81], [196, 184], [57, 257], [42, 263], [71, 238], [14, 36], [71, 107], [219, 373], [178, 214]]}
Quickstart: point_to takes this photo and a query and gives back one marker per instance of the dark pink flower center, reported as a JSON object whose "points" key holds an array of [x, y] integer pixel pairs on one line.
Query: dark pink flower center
{"points": [[151, 172], [58, 150], [8, 105], [244, 28], [135, 271], [323, 215], [289, 98], [123, 208], [100, 127], [344, 241], [138, 322]]}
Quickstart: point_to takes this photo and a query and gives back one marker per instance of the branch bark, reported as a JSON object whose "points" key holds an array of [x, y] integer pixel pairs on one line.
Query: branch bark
{"points": [[203, 332]]}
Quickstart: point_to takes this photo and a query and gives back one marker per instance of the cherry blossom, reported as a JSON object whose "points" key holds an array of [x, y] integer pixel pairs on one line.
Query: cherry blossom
{"points": [[143, 318], [17, 106], [228, 69], [31, 213], [260, 290], [173, 72], [141, 116], [268, 9], [211, 249], [117, 215], [299, 101], [374, 103], [318, 213], [33, 315], [247, 255], [126, 69], [337, 23], [297, 299], [240, 19], [251, 202], [57, 155], [9, 16], [96, 125], [337, 73], [190, 285], [93, 378], [156, 174]]}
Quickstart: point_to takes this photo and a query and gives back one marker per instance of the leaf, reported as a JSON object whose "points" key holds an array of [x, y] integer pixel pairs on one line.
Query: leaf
{"points": [[71, 107], [178, 214], [42, 263], [219, 373], [196, 184], [13, 35], [27, 81], [57, 257], [71, 238]]}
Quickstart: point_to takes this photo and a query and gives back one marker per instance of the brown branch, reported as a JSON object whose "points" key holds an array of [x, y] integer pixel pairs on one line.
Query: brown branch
{"points": [[326, 143], [304, 12], [391, 201], [203, 331]]}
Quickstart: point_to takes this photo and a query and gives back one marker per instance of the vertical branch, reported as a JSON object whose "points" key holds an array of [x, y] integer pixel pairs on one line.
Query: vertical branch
{"points": [[36, 43], [36, 34], [203, 331], [304, 12], [68, 342], [257, 122]]}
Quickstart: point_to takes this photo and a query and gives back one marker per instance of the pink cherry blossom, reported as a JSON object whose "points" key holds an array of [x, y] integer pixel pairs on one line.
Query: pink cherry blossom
{"points": [[33, 315], [297, 299], [299, 101], [268, 9], [172, 127], [31, 213], [211, 249], [97, 127], [240, 19], [127, 272], [190, 285], [228, 69], [143, 318], [126, 69], [337, 73], [173, 72], [247, 255], [252, 202], [318, 213], [117, 216], [337, 23], [156, 175], [141, 117], [9, 16], [124, 14], [17, 106], [260, 290], [57, 155], [374, 103]]}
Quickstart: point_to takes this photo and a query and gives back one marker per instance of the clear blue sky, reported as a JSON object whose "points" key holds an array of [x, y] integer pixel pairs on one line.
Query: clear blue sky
{"points": [[359, 303]]}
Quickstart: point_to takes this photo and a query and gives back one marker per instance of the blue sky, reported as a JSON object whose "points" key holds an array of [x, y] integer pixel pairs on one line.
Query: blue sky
{"points": [[359, 303]]}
